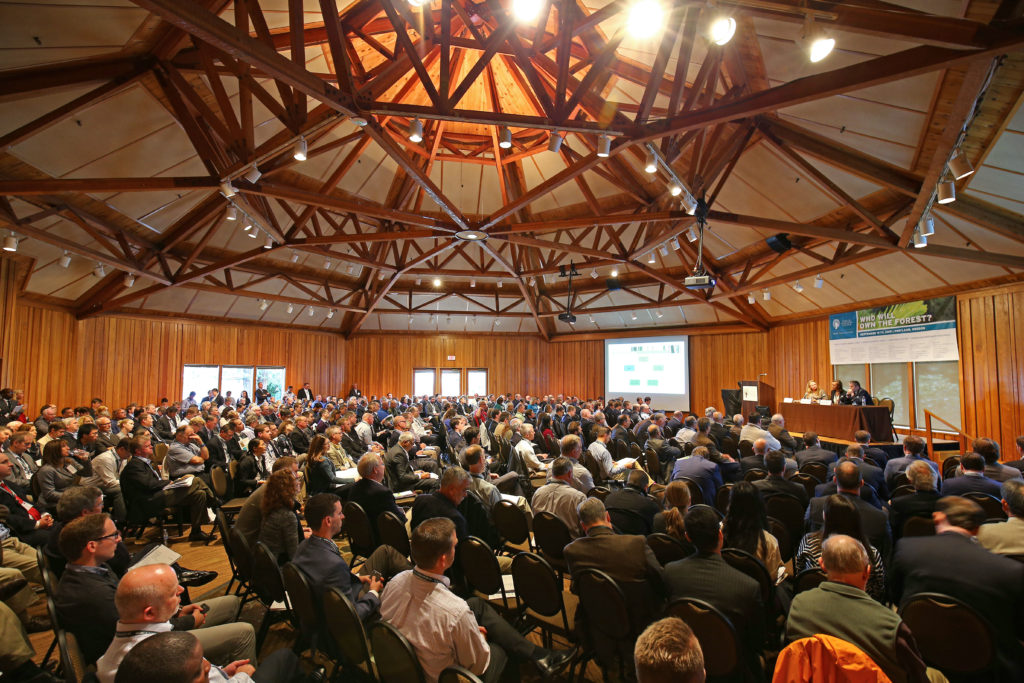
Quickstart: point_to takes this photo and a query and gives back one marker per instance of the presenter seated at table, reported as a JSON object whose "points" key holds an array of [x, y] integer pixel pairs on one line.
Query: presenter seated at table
{"points": [[856, 396], [813, 392], [836, 393]]}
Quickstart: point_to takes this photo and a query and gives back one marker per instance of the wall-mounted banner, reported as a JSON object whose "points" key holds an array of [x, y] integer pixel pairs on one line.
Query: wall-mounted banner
{"points": [[901, 333]]}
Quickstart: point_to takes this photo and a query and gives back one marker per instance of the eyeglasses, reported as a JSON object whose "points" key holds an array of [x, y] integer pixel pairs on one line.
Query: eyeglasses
{"points": [[116, 534]]}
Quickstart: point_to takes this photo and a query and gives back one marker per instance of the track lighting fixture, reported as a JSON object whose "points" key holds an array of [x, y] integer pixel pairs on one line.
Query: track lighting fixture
{"points": [[505, 138], [11, 243], [311, 311], [554, 141], [525, 10], [591, 319], [920, 240], [416, 130], [766, 295], [100, 270], [411, 320], [675, 190], [500, 284], [351, 269], [659, 314], [819, 281], [593, 273], [632, 316], [691, 234], [472, 283], [327, 264], [290, 309], [926, 226], [645, 19], [675, 244], [381, 275], [264, 304], [497, 322], [959, 166], [797, 287], [253, 174], [65, 260], [295, 256], [750, 299], [232, 214], [650, 163], [604, 146], [531, 282], [816, 40], [359, 121], [227, 189], [330, 314], [252, 233], [299, 149], [945, 190], [269, 243], [689, 203], [615, 272], [650, 258], [129, 280], [721, 29], [419, 281]]}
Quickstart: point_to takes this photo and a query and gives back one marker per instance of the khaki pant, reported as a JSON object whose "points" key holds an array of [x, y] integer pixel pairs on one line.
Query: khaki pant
{"points": [[15, 648], [23, 557], [20, 601], [225, 641]]}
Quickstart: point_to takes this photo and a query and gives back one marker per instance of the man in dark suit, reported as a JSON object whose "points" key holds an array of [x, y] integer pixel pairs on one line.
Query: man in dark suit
{"points": [[703, 438], [696, 466], [952, 563], [972, 479], [813, 452], [305, 393], [621, 432], [145, 495], [718, 429], [706, 576], [920, 503], [877, 454], [301, 435], [777, 428], [27, 522], [401, 475], [318, 556], [167, 425], [775, 483], [856, 395], [444, 502], [371, 493], [633, 497], [875, 521], [217, 447], [871, 475], [913, 449], [145, 421], [662, 447]]}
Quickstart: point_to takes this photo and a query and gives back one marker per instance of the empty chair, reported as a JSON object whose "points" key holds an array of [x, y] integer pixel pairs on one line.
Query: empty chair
{"points": [[482, 572], [541, 593], [391, 530], [551, 535], [607, 619], [346, 631], [941, 625], [394, 656], [360, 533], [511, 523]]}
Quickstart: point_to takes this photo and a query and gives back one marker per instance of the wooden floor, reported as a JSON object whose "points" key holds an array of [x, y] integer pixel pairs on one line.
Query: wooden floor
{"points": [[212, 558]]}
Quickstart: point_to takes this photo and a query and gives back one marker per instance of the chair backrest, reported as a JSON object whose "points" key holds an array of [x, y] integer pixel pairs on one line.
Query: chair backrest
{"points": [[888, 403], [603, 603], [635, 452], [590, 463], [899, 491], [536, 585], [729, 446], [357, 527], [551, 534], [788, 510], [233, 468], [480, 567], [755, 474], [511, 522], [808, 481], [620, 450], [303, 602], [722, 497], [50, 579], [992, 506], [782, 535], [817, 470], [949, 466], [629, 521], [688, 448], [391, 531], [242, 554], [746, 448], [72, 653], [808, 579], [600, 492], [919, 526], [941, 625], [901, 479], [696, 493], [667, 548], [346, 629], [219, 479], [456, 674], [159, 452], [266, 576], [715, 633], [755, 569], [394, 656], [652, 464]]}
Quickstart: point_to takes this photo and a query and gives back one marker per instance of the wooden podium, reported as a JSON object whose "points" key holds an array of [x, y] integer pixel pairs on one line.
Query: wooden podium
{"points": [[765, 396]]}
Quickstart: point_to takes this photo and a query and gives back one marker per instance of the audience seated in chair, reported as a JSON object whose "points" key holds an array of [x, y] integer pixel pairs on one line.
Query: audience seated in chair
{"points": [[1007, 538], [668, 652]]}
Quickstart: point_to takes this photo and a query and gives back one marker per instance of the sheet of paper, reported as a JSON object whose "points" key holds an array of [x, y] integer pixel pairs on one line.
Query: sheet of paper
{"points": [[510, 590], [350, 473], [159, 554], [180, 483]]}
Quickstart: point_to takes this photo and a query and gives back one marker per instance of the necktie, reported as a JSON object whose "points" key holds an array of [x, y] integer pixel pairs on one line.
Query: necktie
{"points": [[32, 512]]}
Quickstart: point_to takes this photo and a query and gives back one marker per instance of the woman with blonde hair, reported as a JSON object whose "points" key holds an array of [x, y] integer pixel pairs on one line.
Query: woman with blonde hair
{"points": [[124, 428], [813, 392]]}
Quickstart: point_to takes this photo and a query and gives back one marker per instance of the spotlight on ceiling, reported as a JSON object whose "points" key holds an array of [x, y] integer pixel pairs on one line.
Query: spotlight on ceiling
{"points": [[416, 130], [659, 314], [604, 146], [472, 283], [359, 121], [351, 269], [381, 275], [798, 287], [554, 141], [100, 270], [419, 281], [675, 190], [505, 138], [65, 260], [750, 299], [232, 214], [253, 174], [295, 257], [247, 226], [497, 322], [650, 163], [959, 166], [327, 264], [330, 314], [290, 309], [650, 258], [691, 234], [819, 282], [946, 190], [663, 249], [11, 243], [269, 244], [531, 282], [437, 282], [766, 295], [920, 241], [721, 29], [926, 226], [129, 280], [615, 272], [675, 244], [632, 316], [593, 273], [816, 40], [227, 189], [500, 284], [526, 10], [689, 203], [264, 304], [311, 311], [645, 19], [299, 149]]}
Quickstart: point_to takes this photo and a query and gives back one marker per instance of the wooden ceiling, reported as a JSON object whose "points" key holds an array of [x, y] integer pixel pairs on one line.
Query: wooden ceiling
{"points": [[120, 122]]}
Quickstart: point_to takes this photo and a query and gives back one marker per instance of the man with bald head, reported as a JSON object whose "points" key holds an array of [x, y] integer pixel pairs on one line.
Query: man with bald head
{"points": [[146, 600], [839, 607]]}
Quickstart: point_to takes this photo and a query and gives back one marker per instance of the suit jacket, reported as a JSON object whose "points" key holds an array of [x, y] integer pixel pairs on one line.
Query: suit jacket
{"points": [[916, 504], [374, 498], [300, 439], [966, 483], [714, 455], [141, 487], [164, 428], [629, 498], [18, 520], [401, 476], [326, 568], [234, 448], [217, 449], [718, 432], [85, 606], [789, 445], [304, 394], [876, 454], [773, 485], [430, 505], [354, 448], [708, 577], [871, 475], [815, 454], [1005, 538], [704, 472], [875, 521]]}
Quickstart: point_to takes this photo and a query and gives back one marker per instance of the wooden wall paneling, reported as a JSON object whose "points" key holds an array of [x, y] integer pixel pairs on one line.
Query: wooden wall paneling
{"points": [[8, 290], [576, 368], [798, 353], [720, 361]]}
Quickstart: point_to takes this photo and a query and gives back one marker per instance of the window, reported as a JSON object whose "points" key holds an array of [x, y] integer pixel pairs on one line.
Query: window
{"points": [[423, 381], [273, 380], [890, 380], [451, 382], [937, 388], [476, 382], [200, 379], [236, 379], [844, 373]]}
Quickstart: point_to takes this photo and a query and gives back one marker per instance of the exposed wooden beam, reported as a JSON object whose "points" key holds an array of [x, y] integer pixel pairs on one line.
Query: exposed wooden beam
{"points": [[100, 185]]}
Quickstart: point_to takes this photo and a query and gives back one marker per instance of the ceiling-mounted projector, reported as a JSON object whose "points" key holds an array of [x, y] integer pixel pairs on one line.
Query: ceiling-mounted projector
{"points": [[699, 282], [567, 317]]}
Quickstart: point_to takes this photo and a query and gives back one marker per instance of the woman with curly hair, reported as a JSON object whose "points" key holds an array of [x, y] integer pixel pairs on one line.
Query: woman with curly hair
{"points": [[281, 529]]}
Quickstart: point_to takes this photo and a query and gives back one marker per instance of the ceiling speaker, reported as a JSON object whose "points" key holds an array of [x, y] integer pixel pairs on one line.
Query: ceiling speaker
{"points": [[780, 242]]}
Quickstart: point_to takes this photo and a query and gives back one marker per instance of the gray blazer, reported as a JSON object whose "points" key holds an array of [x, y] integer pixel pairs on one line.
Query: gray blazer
{"points": [[280, 533]]}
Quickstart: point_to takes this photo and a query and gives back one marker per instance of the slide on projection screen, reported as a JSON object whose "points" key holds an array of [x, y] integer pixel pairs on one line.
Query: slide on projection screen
{"points": [[658, 367]]}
